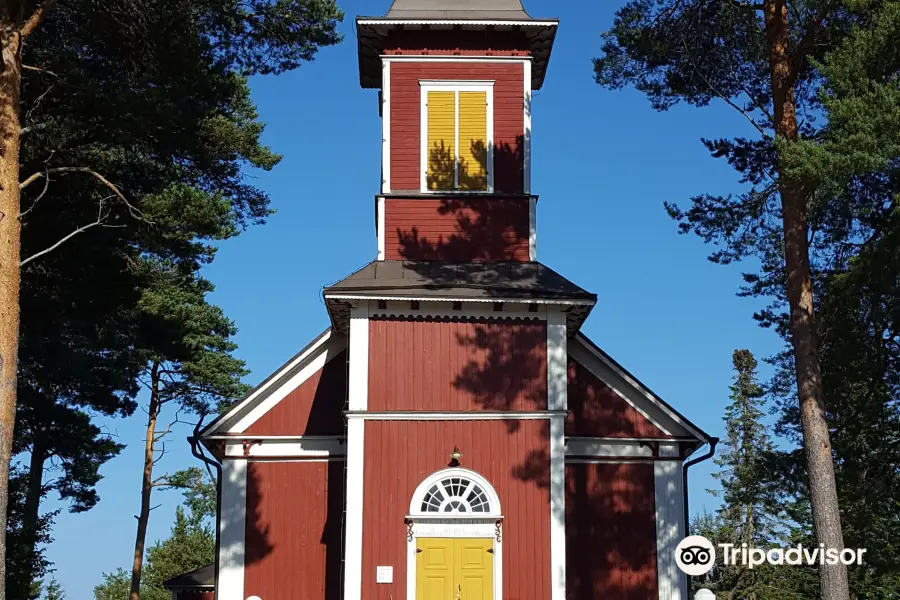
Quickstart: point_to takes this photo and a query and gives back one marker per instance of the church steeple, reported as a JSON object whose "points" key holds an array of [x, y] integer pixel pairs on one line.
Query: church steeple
{"points": [[456, 81]]}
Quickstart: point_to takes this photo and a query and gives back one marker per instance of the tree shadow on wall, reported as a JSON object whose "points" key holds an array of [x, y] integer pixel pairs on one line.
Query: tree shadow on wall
{"points": [[610, 532], [609, 509], [253, 531], [485, 228]]}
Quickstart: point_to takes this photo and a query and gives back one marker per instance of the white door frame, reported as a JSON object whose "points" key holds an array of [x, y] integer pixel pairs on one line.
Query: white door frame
{"points": [[441, 525], [429, 527]]}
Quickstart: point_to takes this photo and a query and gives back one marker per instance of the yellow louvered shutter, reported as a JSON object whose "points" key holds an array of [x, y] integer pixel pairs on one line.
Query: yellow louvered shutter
{"points": [[441, 140], [473, 153]]}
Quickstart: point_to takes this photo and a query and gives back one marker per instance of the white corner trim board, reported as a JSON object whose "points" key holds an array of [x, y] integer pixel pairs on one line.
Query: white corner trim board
{"points": [[232, 530], [354, 516], [557, 361], [358, 390], [382, 234], [669, 494], [532, 228], [527, 141], [386, 126], [557, 509], [557, 400]]}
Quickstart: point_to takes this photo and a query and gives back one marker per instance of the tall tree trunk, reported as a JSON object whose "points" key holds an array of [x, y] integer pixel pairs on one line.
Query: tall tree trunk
{"points": [[10, 231], [816, 437], [34, 493], [146, 486]]}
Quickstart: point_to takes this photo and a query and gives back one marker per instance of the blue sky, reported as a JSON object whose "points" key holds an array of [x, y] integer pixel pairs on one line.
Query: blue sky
{"points": [[604, 162]]}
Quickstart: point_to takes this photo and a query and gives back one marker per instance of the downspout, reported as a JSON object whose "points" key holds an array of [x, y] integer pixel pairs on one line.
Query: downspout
{"points": [[198, 453], [713, 442]]}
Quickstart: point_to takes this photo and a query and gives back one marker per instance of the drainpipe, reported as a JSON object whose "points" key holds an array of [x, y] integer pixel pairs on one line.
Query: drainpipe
{"points": [[198, 453], [713, 442]]}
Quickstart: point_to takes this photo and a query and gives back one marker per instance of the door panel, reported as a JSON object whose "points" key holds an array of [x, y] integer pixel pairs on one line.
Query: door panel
{"points": [[451, 569], [474, 568], [434, 569]]}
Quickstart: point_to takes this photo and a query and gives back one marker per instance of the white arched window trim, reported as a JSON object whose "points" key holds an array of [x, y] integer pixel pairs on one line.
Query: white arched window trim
{"points": [[455, 473], [487, 524]]}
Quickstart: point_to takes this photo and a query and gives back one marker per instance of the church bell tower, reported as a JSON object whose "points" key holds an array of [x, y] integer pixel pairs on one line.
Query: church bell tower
{"points": [[456, 82]]}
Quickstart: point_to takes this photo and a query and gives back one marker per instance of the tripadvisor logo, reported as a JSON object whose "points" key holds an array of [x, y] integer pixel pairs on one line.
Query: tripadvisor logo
{"points": [[696, 555]]}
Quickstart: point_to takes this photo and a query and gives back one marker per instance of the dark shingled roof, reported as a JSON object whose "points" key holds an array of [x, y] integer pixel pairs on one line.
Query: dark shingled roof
{"points": [[475, 10], [414, 14], [485, 279], [204, 577], [482, 281]]}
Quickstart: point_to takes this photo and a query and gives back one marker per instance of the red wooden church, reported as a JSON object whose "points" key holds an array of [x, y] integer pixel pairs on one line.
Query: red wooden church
{"points": [[453, 435]]}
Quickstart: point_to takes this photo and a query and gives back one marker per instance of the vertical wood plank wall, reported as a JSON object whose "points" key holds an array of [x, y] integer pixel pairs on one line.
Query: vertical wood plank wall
{"points": [[457, 229], [610, 532], [406, 119], [294, 537], [457, 365], [595, 410], [512, 455], [313, 408]]}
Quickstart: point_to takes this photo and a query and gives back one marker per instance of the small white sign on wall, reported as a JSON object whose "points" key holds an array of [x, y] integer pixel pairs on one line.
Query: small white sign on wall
{"points": [[384, 574]]}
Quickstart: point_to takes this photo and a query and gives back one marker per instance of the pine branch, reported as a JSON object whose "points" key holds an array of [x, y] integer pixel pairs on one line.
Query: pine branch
{"points": [[36, 17], [88, 171], [33, 204], [99, 222], [720, 95]]}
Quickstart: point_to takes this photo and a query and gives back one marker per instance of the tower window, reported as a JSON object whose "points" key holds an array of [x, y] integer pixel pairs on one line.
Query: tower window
{"points": [[457, 136]]}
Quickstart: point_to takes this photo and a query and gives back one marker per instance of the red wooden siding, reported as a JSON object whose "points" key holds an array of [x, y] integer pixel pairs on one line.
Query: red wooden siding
{"points": [[314, 408], [595, 410], [610, 532], [470, 43], [512, 455], [509, 119], [457, 365], [457, 229], [294, 538]]}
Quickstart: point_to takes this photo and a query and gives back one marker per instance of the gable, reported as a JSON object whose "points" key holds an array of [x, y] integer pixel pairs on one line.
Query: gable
{"points": [[607, 401], [315, 407], [595, 410], [305, 397]]}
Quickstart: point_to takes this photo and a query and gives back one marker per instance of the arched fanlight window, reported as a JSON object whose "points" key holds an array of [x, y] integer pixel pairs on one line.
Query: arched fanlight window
{"points": [[455, 492]]}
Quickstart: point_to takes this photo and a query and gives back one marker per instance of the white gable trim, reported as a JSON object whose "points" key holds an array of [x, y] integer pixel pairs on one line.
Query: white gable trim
{"points": [[272, 391], [630, 390]]}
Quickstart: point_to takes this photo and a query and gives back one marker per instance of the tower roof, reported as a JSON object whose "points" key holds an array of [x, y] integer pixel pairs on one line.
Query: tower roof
{"points": [[499, 16], [458, 9]]}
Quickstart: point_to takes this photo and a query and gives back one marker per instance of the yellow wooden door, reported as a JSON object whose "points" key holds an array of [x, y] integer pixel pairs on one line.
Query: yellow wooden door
{"points": [[474, 568], [454, 569], [434, 569]]}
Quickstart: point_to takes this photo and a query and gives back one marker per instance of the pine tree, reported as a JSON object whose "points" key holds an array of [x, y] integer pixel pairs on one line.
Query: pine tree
{"points": [[742, 457], [114, 110], [755, 511], [190, 366], [816, 83], [191, 544]]}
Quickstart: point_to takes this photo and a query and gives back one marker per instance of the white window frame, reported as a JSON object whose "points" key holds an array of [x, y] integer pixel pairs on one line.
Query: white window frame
{"points": [[444, 525], [457, 86]]}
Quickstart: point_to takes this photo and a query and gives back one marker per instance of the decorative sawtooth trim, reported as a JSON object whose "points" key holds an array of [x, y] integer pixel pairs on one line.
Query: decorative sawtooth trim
{"points": [[447, 318]]}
